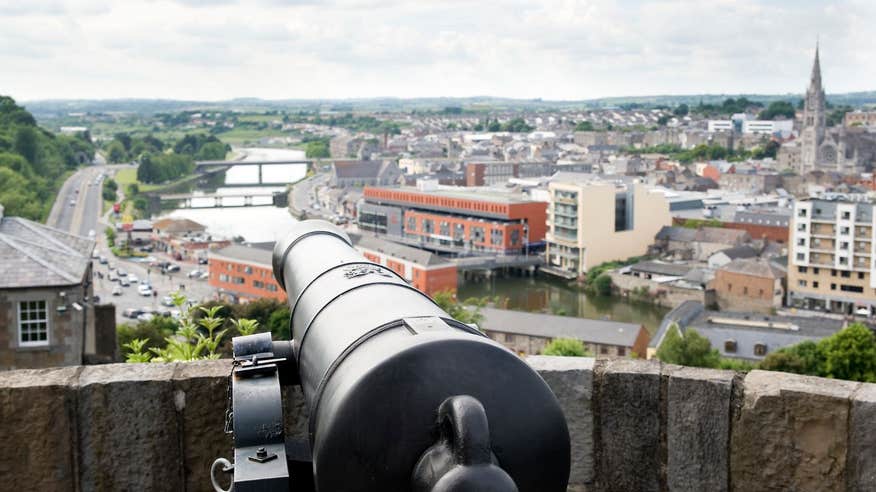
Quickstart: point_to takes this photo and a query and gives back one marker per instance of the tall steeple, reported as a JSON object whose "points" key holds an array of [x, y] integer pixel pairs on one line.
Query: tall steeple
{"points": [[815, 78]]}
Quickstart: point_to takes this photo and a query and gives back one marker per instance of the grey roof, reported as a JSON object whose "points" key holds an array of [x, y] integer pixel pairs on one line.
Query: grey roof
{"points": [[702, 234], [755, 267], [668, 269], [746, 329], [362, 169], [720, 327], [35, 255], [672, 233], [743, 251], [552, 326], [414, 255], [245, 254]]}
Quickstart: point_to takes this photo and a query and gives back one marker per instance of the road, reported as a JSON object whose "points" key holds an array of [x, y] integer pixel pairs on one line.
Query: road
{"points": [[78, 205], [304, 194]]}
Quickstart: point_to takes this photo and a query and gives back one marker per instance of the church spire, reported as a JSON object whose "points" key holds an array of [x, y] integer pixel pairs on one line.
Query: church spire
{"points": [[815, 78]]}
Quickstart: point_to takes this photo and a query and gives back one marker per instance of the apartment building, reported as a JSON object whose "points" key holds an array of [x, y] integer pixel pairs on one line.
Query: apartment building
{"points": [[833, 247], [592, 222], [450, 219], [244, 272]]}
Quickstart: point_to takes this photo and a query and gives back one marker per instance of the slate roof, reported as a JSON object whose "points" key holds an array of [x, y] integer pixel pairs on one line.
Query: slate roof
{"points": [[35, 255], [552, 326], [755, 267], [743, 251], [245, 254], [702, 234], [657, 268], [361, 169], [414, 255]]}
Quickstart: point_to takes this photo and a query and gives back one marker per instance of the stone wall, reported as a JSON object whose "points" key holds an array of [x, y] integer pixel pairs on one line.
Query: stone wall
{"points": [[635, 425], [660, 294]]}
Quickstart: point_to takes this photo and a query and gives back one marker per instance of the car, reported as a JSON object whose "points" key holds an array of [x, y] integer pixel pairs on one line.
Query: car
{"points": [[195, 273], [167, 301], [133, 279], [171, 268], [102, 260], [862, 312], [132, 313], [112, 277], [117, 290], [144, 281], [72, 203], [124, 282], [110, 266], [202, 261], [163, 312], [204, 276], [144, 290], [122, 273], [95, 255], [145, 317], [91, 234]]}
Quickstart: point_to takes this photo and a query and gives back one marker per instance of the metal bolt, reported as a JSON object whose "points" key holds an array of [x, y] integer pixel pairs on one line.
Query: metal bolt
{"points": [[262, 453]]}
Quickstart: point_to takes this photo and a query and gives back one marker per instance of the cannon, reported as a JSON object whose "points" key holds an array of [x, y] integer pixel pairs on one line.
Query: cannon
{"points": [[400, 395]]}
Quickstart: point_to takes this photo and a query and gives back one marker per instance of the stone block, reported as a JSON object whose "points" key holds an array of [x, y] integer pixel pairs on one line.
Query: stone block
{"points": [[697, 428], [200, 397], [129, 432], [37, 429], [791, 433], [862, 440], [628, 425], [571, 380]]}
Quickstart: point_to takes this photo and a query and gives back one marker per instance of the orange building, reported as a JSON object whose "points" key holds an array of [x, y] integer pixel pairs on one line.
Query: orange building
{"points": [[471, 219], [244, 273], [426, 271]]}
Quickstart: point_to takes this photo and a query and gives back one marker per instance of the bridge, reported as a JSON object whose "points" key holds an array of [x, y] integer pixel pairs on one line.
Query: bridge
{"points": [[202, 167], [278, 199]]}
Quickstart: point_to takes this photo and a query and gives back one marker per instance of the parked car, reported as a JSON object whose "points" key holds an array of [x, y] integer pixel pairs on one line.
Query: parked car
{"points": [[144, 290], [124, 282], [204, 276], [117, 290], [202, 261], [167, 301], [102, 260], [171, 268], [146, 249], [131, 313], [112, 277], [121, 273], [145, 317], [133, 279], [195, 273]]}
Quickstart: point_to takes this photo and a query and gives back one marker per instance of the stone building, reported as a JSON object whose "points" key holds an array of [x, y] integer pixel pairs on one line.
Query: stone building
{"points": [[845, 150], [749, 284], [45, 296], [365, 173]]}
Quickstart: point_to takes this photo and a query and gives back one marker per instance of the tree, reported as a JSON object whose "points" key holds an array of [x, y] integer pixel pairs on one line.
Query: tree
{"points": [[565, 347], [663, 120], [681, 110], [777, 108], [316, 149], [850, 354], [212, 151], [602, 285], [26, 144], [687, 349], [447, 301], [584, 126], [116, 152]]}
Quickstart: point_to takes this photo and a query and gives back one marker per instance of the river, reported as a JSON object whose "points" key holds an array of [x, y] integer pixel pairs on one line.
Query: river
{"points": [[559, 297], [257, 223]]}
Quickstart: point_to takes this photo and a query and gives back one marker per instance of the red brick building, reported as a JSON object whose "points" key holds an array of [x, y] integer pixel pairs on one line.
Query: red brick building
{"points": [[426, 271], [477, 220], [244, 273]]}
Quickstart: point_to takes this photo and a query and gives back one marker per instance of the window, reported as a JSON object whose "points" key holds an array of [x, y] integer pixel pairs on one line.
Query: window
{"points": [[846, 216], [729, 287], [801, 257], [844, 245], [860, 275], [509, 338], [412, 223], [833, 273], [272, 288], [801, 212], [760, 292], [801, 227], [258, 284], [851, 288], [801, 242], [247, 269], [816, 271], [760, 349], [603, 350], [801, 283], [730, 346], [228, 267], [33, 323], [815, 284], [802, 269], [223, 277], [844, 231], [444, 228], [621, 351], [832, 286], [237, 280], [745, 290]]}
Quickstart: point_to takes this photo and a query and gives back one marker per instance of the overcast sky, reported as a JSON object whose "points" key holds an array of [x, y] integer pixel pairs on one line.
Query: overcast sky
{"points": [[564, 49]]}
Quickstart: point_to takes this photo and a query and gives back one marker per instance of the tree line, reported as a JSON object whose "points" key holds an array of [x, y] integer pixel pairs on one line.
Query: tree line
{"points": [[34, 162], [159, 162]]}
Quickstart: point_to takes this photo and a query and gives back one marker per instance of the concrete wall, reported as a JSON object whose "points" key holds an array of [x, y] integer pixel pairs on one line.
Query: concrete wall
{"points": [[635, 425]]}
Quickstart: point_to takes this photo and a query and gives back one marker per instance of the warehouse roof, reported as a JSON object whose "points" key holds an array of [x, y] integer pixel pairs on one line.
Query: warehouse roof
{"points": [[551, 326]]}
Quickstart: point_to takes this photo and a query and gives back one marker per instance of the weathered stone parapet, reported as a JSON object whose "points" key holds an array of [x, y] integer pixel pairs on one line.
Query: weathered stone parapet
{"points": [[634, 425]]}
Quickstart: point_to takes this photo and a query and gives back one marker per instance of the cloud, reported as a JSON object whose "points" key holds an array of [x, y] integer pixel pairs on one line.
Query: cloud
{"points": [[565, 49]]}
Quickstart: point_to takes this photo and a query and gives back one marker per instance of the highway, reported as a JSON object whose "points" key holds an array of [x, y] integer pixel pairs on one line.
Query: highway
{"points": [[78, 205]]}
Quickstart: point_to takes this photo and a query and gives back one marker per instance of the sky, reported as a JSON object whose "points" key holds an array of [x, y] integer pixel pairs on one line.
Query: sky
{"points": [[303, 49]]}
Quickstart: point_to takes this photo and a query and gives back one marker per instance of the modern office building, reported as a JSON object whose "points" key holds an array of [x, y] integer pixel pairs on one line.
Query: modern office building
{"points": [[454, 220], [592, 222], [833, 256], [244, 273]]}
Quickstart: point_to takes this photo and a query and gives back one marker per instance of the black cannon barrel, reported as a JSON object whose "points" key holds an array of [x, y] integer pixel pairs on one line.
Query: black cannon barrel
{"points": [[377, 358]]}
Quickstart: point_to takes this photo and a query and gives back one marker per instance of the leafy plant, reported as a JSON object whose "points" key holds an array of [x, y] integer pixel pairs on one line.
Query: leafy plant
{"points": [[566, 347]]}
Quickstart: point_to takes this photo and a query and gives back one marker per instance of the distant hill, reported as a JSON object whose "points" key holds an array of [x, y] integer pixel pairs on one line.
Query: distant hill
{"points": [[54, 108]]}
